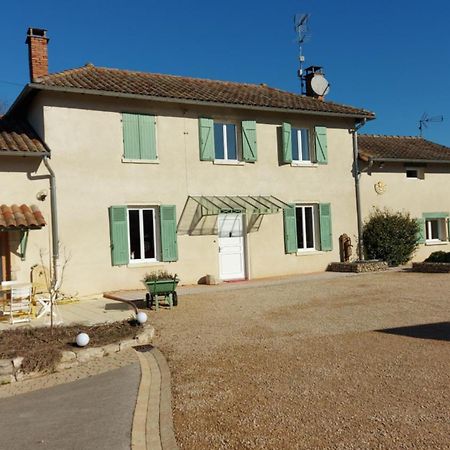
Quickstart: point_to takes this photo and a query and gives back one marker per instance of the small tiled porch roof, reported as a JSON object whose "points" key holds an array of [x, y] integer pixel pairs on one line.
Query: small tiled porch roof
{"points": [[18, 137], [22, 217]]}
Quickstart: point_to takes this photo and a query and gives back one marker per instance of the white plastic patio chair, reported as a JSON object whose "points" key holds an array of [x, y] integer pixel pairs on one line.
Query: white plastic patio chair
{"points": [[20, 304]]}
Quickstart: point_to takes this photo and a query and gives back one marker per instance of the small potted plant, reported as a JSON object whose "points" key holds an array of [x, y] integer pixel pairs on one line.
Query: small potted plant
{"points": [[161, 284]]}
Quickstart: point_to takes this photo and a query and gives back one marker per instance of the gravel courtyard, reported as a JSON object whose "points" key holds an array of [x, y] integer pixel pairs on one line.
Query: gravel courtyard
{"points": [[319, 362]]}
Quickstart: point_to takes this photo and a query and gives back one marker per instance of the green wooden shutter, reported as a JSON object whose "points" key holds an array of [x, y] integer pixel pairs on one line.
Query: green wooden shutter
{"points": [[326, 238], [130, 123], [290, 230], [147, 137], [118, 228], [249, 151], [168, 220], [321, 145], [421, 233], [206, 137], [448, 228], [286, 140]]}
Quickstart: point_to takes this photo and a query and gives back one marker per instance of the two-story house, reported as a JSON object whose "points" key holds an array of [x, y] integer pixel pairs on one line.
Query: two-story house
{"points": [[406, 173], [195, 176]]}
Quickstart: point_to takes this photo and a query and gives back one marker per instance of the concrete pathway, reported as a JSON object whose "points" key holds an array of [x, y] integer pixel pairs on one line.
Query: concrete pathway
{"points": [[87, 312], [94, 413]]}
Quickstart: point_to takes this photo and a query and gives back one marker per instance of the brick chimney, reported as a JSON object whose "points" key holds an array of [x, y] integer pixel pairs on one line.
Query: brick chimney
{"points": [[37, 41]]}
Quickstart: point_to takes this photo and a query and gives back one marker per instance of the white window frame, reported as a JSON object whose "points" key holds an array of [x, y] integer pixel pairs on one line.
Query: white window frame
{"points": [[225, 143], [141, 234], [442, 238], [303, 224], [300, 160]]}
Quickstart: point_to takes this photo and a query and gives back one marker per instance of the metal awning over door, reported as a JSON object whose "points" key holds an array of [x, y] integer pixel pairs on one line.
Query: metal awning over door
{"points": [[213, 205]]}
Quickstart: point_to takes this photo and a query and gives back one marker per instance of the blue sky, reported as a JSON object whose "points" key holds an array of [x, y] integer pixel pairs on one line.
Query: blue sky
{"points": [[391, 57]]}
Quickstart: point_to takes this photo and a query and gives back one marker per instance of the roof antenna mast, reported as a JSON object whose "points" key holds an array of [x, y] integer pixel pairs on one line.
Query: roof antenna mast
{"points": [[301, 27], [426, 119]]}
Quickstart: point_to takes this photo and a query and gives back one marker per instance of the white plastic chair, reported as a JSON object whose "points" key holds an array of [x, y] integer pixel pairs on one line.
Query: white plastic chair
{"points": [[20, 304]]}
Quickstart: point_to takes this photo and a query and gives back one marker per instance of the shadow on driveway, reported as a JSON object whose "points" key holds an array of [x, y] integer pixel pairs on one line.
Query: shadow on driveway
{"points": [[439, 331]]}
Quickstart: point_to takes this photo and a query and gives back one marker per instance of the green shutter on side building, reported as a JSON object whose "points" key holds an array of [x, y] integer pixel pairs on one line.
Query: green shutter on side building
{"points": [[206, 139], [321, 145], [249, 150], [326, 236], [286, 142], [290, 230], [118, 228], [421, 232], [168, 222]]}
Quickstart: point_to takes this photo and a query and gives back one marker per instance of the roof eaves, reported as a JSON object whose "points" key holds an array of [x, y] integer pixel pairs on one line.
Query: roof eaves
{"points": [[38, 86]]}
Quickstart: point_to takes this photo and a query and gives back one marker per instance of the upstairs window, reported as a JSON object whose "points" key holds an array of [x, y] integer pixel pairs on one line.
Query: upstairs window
{"points": [[139, 137], [301, 150], [415, 173], [225, 142]]}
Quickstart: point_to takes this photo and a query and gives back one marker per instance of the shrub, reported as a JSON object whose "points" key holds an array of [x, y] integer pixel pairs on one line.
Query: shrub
{"points": [[439, 257], [390, 236], [159, 275]]}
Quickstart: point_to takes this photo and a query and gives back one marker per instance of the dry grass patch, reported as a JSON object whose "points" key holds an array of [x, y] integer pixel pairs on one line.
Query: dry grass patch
{"points": [[41, 348]]}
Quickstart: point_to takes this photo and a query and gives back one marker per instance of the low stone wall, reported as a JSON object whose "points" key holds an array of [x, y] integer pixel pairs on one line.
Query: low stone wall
{"points": [[358, 266], [431, 267], [10, 369]]}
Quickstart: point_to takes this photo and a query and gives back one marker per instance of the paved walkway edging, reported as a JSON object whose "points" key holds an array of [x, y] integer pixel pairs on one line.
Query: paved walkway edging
{"points": [[152, 422]]}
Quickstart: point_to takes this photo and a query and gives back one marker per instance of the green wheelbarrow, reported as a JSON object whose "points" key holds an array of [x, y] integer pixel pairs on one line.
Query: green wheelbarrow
{"points": [[161, 290]]}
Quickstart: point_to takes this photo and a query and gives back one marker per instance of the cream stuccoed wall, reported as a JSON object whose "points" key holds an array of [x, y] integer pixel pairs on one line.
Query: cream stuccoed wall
{"points": [[415, 196], [84, 134], [22, 178]]}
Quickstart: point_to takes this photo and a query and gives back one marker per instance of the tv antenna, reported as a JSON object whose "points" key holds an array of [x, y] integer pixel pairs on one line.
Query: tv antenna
{"points": [[301, 27], [426, 119]]}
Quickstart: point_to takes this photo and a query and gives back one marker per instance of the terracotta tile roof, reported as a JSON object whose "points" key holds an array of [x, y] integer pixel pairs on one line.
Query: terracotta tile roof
{"points": [[195, 89], [403, 148], [17, 136], [20, 217]]}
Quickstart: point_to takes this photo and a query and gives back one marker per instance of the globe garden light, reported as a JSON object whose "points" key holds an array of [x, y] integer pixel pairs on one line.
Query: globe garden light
{"points": [[82, 340], [141, 317]]}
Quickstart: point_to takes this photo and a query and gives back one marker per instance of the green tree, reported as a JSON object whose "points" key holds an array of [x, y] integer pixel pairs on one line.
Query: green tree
{"points": [[390, 236]]}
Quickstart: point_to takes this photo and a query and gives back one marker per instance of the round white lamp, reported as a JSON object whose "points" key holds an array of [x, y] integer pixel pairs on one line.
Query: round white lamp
{"points": [[82, 340], [141, 317]]}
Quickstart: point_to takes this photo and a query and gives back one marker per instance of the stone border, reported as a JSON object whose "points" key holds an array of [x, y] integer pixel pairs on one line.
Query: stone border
{"points": [[358, 266], [431, 267], [152, 422], [10, 369]]}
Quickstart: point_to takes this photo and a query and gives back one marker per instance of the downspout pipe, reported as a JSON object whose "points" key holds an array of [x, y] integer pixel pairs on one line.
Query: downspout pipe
{"points": [[55, 234], [356, 176]]}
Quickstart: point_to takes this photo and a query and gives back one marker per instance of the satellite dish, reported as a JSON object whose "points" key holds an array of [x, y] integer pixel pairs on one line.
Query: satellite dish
{"points": [[319, 85]]}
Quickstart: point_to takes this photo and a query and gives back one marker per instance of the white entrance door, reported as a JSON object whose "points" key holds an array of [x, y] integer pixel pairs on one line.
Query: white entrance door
{"points": [[231, 247]]}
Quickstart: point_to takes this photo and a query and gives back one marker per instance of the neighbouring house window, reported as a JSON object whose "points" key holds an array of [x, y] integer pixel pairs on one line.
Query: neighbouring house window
{"points": [[301, 149], [415, 173], [142, 234], [435, 230], [306, 227], [225, 141]]}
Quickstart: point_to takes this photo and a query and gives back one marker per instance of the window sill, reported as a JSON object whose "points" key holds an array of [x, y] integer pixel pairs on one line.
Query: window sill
{"points": [[137, 265], [303, 164], [308, 252], [224, 162], [436, 242], [140, 161]]}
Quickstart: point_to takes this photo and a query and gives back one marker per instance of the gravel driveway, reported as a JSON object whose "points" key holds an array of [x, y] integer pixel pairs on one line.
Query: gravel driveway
{"points": [[345, 362]]}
